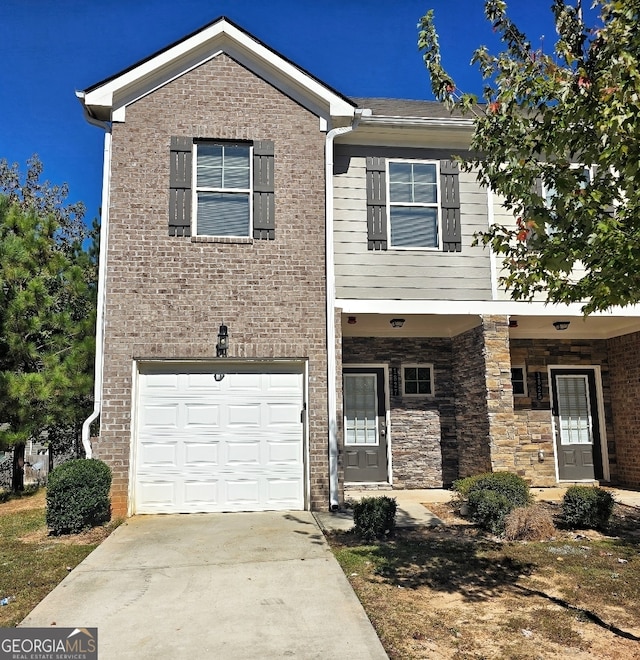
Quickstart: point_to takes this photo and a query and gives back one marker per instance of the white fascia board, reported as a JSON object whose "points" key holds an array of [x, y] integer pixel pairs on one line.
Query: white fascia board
{"points": [[475, 307], [191, 52], [418, 122]]}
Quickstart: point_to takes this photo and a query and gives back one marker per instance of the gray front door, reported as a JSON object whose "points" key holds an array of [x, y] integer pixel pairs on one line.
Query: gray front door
{"points": [[365, 433], [577, 426]]}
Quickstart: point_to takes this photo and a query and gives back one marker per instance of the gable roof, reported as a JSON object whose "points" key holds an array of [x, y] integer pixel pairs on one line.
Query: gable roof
{"points": [[107, 99]]}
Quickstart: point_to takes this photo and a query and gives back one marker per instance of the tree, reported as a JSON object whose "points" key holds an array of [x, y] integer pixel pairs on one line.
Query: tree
{"points": [[557, 137], [47, 314]]}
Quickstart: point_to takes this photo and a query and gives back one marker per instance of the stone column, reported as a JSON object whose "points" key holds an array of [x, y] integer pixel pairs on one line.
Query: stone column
{"points": [[497, 364]]}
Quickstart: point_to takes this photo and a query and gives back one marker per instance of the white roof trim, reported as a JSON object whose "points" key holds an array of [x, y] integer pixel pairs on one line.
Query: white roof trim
{"points": [[193, 51], [418, 122]]}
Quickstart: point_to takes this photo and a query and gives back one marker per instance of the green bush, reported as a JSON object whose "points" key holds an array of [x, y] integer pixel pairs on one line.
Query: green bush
{"points": [[493, 495], [5, 494], [586, 507], [78, 496], [463, 486], [374, 517], [489, 509]]}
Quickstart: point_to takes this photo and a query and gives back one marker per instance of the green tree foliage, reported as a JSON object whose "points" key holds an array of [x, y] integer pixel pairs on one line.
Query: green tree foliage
{"points": [[543, 114], [47, 314]]}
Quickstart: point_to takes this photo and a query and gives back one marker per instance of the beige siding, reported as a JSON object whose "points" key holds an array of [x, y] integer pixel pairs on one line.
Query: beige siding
{"points": [[406, 274]]}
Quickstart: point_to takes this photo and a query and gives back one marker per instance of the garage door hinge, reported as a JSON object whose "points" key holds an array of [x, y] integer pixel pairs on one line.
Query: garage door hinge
{"points": [[302, 412]]}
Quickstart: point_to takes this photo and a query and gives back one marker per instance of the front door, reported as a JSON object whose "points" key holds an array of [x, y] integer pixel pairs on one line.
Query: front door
{"points": [[365, 431], [577, 425]]}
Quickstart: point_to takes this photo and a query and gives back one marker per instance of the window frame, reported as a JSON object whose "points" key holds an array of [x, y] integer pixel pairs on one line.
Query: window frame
{"points": [[195, 189], [437, 204], [525, 393], [418, 365]]}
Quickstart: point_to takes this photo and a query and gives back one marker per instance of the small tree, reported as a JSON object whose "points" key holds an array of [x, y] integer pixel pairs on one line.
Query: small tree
{"points": [[47, 314], [545, 113]]}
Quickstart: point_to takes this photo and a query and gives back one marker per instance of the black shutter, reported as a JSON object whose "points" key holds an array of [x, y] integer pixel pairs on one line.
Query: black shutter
{"points": [[450, 206], [180, 186], [264, 225], [376, 204]]}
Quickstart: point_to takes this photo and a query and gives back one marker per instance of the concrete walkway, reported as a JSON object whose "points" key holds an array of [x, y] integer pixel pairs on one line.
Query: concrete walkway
{"points": [[234, 586]]}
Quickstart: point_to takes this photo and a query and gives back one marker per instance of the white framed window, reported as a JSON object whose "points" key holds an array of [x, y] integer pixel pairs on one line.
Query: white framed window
{"points": [[549, 193], [413, 204], [222, 189], [519, 380], [417, 380]]}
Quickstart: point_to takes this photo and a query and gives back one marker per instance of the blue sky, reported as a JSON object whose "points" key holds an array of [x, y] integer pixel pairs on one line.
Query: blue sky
{"points": [[49, 49]]}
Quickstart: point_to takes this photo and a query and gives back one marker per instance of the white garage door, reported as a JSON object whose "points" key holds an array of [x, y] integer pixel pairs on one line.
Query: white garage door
{"points": [[207, 445]]}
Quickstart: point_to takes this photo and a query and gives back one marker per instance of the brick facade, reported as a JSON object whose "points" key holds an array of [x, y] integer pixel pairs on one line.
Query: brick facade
{"points": [[624, 375], [166, 296]]}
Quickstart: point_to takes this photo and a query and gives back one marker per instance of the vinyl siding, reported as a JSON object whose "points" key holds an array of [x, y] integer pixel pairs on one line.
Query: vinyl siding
{"points": [[405, 274]]}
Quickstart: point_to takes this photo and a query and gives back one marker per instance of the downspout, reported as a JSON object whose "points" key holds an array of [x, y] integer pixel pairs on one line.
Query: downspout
{"points": [[334, 502], [102, 271]]}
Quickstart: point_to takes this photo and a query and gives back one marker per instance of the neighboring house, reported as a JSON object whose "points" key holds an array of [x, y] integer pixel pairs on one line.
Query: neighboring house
{"points": [[290, 303]]}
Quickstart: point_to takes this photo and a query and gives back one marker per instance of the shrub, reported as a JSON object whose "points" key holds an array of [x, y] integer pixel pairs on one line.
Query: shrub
{"points": [[4, 494], [586, 507], [528, 523], [489, 509], [78, 496], [374, 517], [493, 495], [463, 486]]}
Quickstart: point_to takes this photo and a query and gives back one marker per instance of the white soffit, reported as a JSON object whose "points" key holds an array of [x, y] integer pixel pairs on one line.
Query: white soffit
{"points": [[115, 93]]}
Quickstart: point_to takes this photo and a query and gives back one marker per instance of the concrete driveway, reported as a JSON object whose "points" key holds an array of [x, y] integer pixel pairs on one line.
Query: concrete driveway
{"points": [[232, 586]]}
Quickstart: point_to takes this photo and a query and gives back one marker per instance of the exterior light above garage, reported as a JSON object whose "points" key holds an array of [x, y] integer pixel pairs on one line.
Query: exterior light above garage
{"points": [[397, 323], [223, 341], [561, 325]]}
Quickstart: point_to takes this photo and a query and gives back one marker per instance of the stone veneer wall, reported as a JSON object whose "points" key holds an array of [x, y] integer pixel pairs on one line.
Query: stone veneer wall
{"points": [[624, 376], [422, 432], [533, 416], [167, 295], [472, 422]]}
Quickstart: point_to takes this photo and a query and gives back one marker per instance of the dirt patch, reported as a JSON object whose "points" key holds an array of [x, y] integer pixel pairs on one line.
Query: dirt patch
{"points": [[34, 500]]}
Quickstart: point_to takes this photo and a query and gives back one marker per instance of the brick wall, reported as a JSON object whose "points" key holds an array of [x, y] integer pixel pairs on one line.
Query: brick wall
{"points": [[624, 372], [423, 435], [166, 296]]}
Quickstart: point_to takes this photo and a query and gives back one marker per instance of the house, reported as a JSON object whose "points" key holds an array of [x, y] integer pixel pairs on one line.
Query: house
{"points": [[290, 303]]}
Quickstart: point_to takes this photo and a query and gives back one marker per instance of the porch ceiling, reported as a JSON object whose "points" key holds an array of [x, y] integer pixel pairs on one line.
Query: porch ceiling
{"points": [[528, 327]]}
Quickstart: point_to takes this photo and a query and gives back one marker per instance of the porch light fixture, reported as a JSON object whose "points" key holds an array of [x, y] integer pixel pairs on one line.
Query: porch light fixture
{"points": [[397, 323], [223, 341], [351, 320], [561, 325]]}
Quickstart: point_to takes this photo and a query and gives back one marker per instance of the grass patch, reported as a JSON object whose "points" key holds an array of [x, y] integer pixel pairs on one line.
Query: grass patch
{"points": [[452, 592], [32, 563]]}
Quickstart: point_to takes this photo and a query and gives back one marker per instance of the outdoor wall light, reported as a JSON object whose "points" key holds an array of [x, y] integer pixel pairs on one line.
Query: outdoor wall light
{"points": [[223, 341], [351, 320], [561, 325], [397, 323]]}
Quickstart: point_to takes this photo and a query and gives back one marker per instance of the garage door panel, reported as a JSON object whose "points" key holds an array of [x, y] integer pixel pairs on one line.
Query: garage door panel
{"points": [[244, 415], [160, 454], [201, 453], [156, 416], [279, 453], [201, 492], [230, 445], [202, 415]]}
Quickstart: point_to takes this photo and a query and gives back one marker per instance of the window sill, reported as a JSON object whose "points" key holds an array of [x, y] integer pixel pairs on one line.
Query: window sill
{"points": [[233, 240]]}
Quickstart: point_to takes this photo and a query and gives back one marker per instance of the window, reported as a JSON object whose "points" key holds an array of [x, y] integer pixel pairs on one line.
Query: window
{"points": [[549, 193], [223, 189], [519, 380], [413, 204], [417, 380]]}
